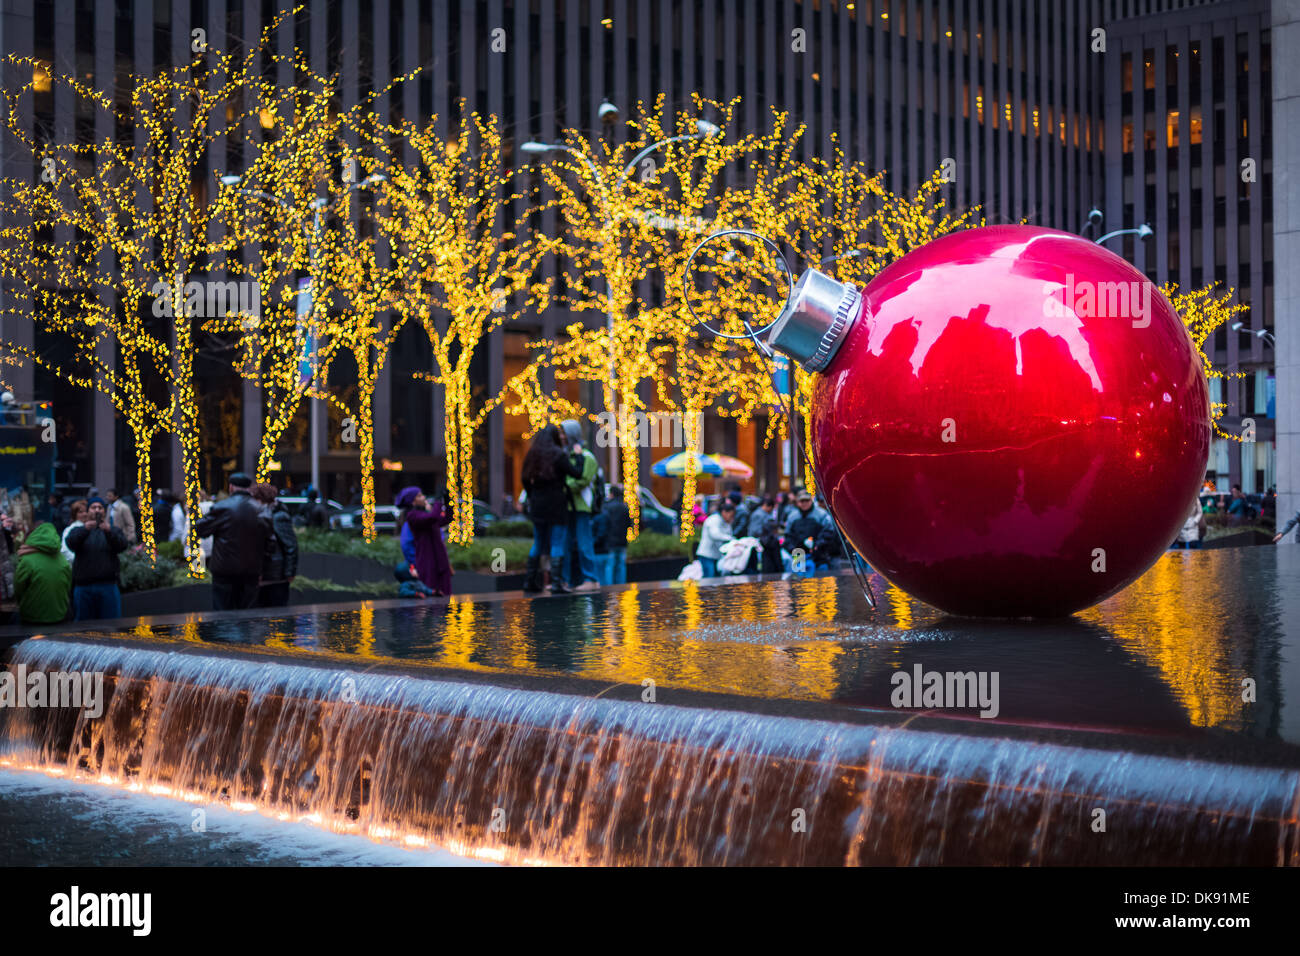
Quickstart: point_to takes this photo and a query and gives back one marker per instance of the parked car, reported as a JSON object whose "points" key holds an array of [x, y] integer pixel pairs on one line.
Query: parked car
{"points": [[654, 516], [484, 517], [350, 519], [296, 505]]}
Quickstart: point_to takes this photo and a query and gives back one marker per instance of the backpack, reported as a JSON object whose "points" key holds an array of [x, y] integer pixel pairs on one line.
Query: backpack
{"points": [[597, 492]]}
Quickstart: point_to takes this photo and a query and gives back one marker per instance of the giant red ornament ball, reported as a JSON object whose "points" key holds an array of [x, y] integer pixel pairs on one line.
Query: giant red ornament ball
{"points": [[1009, 421]]}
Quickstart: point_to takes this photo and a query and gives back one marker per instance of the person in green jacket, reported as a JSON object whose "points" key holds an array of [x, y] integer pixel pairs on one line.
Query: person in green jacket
{"points": [[582, 498], [43, 578]]}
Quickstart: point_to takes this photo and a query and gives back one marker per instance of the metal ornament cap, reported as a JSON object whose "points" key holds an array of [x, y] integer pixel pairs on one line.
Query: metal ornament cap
{"points": [[820, 314]]}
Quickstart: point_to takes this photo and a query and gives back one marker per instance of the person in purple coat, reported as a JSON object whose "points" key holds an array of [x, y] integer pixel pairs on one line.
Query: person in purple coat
{"points": [[420, 533]]}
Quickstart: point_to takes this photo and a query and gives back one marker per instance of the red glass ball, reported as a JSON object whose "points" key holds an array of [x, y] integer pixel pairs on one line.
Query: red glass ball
{"points": [[1015, 424]]}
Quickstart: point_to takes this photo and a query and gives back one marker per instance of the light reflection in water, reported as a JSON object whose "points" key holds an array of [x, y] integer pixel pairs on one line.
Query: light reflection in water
{"points": [[1168, 654]]}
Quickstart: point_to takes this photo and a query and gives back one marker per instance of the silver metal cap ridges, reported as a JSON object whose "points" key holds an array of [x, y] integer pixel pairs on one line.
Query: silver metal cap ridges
{"points": [[817, 321]]}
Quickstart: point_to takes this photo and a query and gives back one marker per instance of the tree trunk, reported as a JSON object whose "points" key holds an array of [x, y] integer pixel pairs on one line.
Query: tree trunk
{"points": [[144, 481], [366, 434], [689, 482]]}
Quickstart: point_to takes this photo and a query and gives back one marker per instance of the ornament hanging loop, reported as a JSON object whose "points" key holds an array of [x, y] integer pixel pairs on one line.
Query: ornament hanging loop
{"points": [[851, 552], [751, 333]]}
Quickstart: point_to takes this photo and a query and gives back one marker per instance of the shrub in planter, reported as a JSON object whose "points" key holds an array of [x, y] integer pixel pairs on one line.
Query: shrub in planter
{"points": [[140, 572], [172, 551], [511, 528]]}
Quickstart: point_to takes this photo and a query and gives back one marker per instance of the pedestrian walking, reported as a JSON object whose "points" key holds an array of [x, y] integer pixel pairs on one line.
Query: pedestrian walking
{"points": [[545, 470], [239, 533], [318, 515], [618, 521], [1193, 528], [280, 562], [583, 502], [162, 515], [78, 515], [716, 533], [7, 604], [42, 578], [419, 529], [119, 515], [95, 594], [180, 521]]}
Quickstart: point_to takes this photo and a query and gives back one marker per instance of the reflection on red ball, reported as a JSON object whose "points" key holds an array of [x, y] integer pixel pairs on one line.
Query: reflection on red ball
{"points": [[1015, 425]]}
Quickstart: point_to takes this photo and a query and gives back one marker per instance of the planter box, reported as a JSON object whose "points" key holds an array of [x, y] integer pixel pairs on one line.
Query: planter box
{"points": [[190, 598], [479, 582], [342, 568], [1239, 539]]}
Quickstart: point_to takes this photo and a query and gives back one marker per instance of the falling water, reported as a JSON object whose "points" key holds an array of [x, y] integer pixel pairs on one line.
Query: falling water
{"points": [[528, 776]]}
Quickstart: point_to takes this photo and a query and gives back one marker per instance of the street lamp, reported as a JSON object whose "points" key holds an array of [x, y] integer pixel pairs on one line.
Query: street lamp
{"points": [[1264, 334], [318, 207], [1142, 232], [851, 254], [704, 130], [1094, 218]]}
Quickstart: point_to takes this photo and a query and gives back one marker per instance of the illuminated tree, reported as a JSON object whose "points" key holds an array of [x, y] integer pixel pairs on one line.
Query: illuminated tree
{"points": [[464, 264], [366, 283], [636, 210], [278, 216], [146, 237], [1203, 311]]}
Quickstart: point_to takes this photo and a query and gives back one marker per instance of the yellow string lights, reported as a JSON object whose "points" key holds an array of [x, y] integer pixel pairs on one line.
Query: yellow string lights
{"points": [[144, 233], [1203, 311], [395, 224], [466, 263]]}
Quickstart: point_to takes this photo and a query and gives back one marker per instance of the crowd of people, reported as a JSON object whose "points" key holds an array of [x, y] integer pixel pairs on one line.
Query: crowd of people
{"points": [[1234, 507], [68, 565], [775, 534]]}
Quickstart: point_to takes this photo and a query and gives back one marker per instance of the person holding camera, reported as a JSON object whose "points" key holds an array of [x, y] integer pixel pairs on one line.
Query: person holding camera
{"points": [[419, 530], [96, 544]]}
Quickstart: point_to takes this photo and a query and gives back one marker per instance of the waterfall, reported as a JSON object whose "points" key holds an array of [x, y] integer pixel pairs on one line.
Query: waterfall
{"points": [[530, 776]]}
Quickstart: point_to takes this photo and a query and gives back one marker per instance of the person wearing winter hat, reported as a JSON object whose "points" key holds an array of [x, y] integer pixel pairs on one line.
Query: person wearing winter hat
{"points": [[94, 573], [240, 534], [419, 530]]}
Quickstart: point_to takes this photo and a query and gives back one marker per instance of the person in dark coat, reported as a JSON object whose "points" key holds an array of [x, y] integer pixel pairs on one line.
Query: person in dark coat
{"points": [[420, 530], [318, 515], [617, 524], [769, 540], [280, 563], [94, 572], [239, 533], [543, 474]]}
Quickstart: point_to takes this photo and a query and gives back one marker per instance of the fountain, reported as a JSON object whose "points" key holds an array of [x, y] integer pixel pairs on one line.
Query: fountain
{"points": [[381, 722]]}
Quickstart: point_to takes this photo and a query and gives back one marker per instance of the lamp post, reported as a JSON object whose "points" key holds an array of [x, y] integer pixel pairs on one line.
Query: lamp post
{"points": [[1264, 334], [1142, 232], [318, 207], [1094, 218], [704, 130]]}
